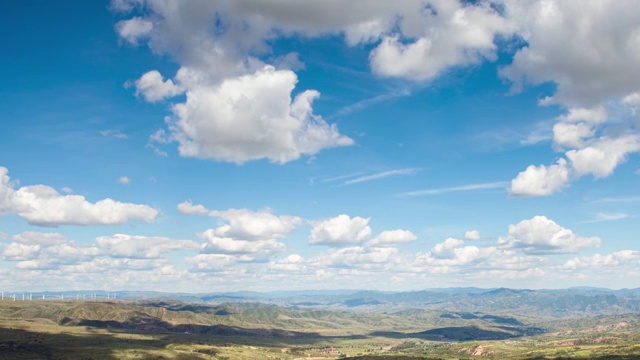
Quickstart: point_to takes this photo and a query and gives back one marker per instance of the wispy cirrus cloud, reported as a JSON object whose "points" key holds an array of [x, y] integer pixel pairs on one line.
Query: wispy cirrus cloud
{"points": [[363, 104], [470, 187], [380, 175], [341, 177], [618, 199], [601, 217]]}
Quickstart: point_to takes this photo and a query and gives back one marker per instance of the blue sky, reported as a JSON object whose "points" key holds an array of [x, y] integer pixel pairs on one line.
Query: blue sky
{"points": [[214, 146]]}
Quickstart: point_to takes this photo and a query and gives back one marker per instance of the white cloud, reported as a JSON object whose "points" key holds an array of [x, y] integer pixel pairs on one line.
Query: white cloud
{"points": [[188, 208], [141, 247], [17, 251], [259, 249], [340, 230], [39, 238], [42, 205], [540, 235], [576, 45], [392, 238], [592, 61], [124, 180], [251, 225], [153, 88], [134, 29], [452, 34], [472, 235], [603, 155], [292, 263], [445, 250], [252, 117], [363, 258], [616, 259], [67, 190], [210, 262], [540, 180], [36, 250]]}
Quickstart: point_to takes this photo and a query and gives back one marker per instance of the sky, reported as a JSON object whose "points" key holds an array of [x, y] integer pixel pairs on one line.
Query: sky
{"points": [[208, 146]]}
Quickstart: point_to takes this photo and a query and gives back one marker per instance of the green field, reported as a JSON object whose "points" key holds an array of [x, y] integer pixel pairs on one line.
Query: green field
{"points": [[173, 330]]}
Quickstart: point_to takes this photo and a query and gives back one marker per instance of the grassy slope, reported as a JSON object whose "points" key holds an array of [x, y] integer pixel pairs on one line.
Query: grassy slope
{"points": [[34, 330]]}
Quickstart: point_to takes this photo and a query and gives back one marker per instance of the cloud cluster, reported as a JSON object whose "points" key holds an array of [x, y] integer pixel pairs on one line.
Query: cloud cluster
{"points": [[245, 236], [593, 63], [530, 250], [42, 205]]}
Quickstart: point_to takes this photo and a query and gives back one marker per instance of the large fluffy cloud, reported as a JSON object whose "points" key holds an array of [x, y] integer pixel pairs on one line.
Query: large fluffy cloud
{"points": [[540, 235], [589, 49], [340, 230], [42, 205], [252, 117]]}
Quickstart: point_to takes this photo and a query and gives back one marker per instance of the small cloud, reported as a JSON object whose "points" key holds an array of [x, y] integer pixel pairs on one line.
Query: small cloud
{"points": [[638, 172], [472, 235], [124, 180], [67, 190], [157, 150], [291, 61], [113, 133]]}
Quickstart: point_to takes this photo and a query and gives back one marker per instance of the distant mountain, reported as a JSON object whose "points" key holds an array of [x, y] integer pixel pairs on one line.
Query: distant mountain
{"points": [[558, 303]]}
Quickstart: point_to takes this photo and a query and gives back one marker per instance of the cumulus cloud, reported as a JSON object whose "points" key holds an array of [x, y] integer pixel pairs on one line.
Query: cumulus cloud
{"points": [[153, 88], [141, 247], [540, 180], [356, 257], [249, 235], [252, 117], [616, 259], [592, 61], [292, 263], [253, 225], [37, 250], [540, 235], [576, 46], [340, 230], [188, 208], [134, 29], [472, 235], [261, 249], [392, 238], [453, 34], [124, 180], [210, 262], [42, 205], [602, 156]]}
